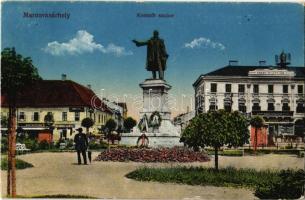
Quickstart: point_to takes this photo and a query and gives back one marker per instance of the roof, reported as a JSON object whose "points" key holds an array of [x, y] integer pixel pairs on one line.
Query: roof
{"points": [[123, 105], [57, 93], [232, 70]]}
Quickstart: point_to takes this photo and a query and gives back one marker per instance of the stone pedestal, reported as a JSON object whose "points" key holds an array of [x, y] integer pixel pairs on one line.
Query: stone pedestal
{"points": [[155, 99]]}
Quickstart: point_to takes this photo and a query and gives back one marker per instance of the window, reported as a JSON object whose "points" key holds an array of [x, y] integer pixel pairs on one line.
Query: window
{"points": [[213, 106], [213, 87], [241, 88], [99, 118], [270, 106], [270, 89], [227, 107], [64, 116], [285, 89], [256, 107], [242, 107], [21, 116], [300, 89], [285, 107], [76, 117], [36, 116], [228, 88], [301, 108], [255, 89]]}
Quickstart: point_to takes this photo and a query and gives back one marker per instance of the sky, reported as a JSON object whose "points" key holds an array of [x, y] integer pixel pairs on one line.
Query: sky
{"points": [[92, 42]]}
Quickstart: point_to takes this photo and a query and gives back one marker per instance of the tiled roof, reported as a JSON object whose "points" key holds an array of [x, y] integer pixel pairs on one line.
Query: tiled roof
{"points": [[243, 71], [56, 93]]}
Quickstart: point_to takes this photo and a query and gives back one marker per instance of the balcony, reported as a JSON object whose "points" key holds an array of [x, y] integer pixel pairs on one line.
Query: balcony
{"points": [[273, 113]]}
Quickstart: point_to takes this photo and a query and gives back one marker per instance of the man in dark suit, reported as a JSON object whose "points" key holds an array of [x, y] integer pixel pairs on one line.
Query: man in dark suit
{"points": [[81, 145]]}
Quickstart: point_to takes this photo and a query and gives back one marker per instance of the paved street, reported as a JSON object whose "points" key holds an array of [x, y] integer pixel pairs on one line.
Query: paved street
{"points": [[57, 173]]}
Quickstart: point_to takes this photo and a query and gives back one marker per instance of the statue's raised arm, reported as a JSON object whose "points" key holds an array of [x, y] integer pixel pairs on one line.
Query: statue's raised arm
{"points": [[156, 54], [138, 43]]}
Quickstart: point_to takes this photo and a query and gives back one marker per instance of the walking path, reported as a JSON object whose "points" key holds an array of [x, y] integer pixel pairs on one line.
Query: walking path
{"points": [[58, 173]]}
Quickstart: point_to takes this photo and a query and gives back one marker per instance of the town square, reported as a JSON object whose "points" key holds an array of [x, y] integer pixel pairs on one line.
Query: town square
{"points": [[152, 100]]}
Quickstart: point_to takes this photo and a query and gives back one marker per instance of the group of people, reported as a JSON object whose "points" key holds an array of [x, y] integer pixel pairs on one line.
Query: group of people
{"points": [[82, 146]]}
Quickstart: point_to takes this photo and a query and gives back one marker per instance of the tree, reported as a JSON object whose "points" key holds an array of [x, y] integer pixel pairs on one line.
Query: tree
{"points": [[216, 129], [110, 125], [257, 122], [16, 73], [87, 123], [129, 123], [49, 119]]}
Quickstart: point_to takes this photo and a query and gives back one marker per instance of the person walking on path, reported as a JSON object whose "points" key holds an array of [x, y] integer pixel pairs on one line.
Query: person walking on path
{"points": [[81, 145]]}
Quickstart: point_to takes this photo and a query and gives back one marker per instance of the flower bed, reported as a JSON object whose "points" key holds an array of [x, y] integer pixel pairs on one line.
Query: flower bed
{"points": [[153, 155]]}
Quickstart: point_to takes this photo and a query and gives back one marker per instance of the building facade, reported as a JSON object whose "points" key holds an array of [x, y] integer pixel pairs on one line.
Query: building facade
{"points": [[68, 102], [274, 92]]}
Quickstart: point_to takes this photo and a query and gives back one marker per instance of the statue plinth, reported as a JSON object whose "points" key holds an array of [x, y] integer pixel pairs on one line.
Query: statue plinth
{"points": [[155, 98]]}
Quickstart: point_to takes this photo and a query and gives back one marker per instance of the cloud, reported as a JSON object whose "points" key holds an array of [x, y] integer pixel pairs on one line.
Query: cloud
{"points": [[83, 42], [204, 43]]}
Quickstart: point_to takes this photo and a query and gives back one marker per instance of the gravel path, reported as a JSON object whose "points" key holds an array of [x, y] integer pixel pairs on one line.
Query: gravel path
{"points": [[58, 173]]}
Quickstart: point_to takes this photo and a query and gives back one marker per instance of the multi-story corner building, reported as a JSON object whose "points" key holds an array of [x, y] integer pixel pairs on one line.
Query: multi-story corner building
{"points": [[274, 92], [69, 103]]}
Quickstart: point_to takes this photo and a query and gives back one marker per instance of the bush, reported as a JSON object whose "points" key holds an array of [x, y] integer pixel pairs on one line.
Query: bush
{"points": [[288, 186], [43, 145], [20, 164], [101, 145], [248, 178], [31, 144], [4, 144]]}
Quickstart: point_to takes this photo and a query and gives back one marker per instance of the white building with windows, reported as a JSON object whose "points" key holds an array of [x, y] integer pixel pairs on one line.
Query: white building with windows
{"points": [[274, 92]]}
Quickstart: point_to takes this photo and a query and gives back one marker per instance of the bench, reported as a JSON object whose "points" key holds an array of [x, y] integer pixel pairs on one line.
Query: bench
{"points": [[21, 148]]}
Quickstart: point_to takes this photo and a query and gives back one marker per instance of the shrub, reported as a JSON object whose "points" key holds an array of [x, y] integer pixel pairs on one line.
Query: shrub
{"points": [[31, 144], [4, 144], [205, 176], [20, 164], [288, 186], [43, 145]]}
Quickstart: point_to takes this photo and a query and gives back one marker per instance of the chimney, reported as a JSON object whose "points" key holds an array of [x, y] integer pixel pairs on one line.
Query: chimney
{"points": [[233, 62], [64, 77], [89, 86], [262, 63]]}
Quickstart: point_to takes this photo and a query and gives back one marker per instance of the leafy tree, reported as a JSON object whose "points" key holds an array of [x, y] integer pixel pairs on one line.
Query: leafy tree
{"points": [[257, 122], [110, 125], [16, 73], [216, 129], [87, 123], [129, 123], [49, 119]]}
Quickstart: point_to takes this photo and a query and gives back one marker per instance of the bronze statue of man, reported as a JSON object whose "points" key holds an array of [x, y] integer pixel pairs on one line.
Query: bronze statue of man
{"points": [[156, 55]]}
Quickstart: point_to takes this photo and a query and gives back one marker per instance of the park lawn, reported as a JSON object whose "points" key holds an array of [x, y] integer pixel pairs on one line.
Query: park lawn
{"points": [[248, 178], [20, 164]]}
